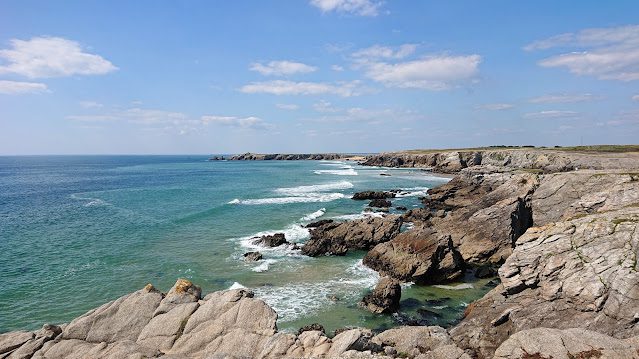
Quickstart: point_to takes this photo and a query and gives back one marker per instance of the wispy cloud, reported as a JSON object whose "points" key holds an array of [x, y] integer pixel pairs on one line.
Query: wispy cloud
{"points": [[371, 116], [251, 122], [287, 106], [355, 7], [337, 68], [325, 107], [17, 87], [282, 87], [565, 98], [385, 52], [551, 114], [280, 68], [605, 53], [635, 97], [91, 104], [495, 106], [42, 57]]}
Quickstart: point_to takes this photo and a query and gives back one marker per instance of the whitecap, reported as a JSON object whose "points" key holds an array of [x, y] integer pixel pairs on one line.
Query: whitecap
{"points": [[440, 307], [342, 172], [412, 192], [314, 215], [91, 201], [308, 198], [235, 201], [455, 287], [236, 285], [351, 217], [301, 190], [296, 300], [264, 265]]}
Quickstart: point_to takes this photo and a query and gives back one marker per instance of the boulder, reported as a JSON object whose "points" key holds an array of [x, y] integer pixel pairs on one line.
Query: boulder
{"points": [[380, 203], [337, 238], [310, 327], [420, 255], [373, 195], [252, 256], [412, 341], [384, 298], [273, 240]]}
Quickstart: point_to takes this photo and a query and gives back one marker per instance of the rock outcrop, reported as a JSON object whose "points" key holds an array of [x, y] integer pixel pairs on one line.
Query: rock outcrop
{"points": [[580, 273], [289, 157], [225, 324], [543, 160], [368, 195], [384, 298], [337, 238], [419, 255], [273, 240], [380, 203], [252, 256]]}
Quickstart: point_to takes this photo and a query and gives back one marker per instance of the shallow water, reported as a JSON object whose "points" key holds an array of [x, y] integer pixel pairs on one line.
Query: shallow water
{"points": [[77, 231]]}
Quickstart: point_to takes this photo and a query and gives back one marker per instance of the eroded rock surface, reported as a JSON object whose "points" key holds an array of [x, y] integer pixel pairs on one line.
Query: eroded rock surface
{"points": [[384, 298], [338, 237], [580, 273]]}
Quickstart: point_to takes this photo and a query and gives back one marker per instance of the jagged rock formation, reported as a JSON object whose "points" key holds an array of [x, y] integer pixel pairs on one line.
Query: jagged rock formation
{"points": [[273, 240], [384, 298], [380, 203], [226, 324], [288, 157], [544, 160], [580, 273], [337, 238], [252, 256]]}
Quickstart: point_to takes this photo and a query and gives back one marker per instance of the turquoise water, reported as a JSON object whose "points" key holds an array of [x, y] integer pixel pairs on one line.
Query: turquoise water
{"points": [[78, 231]]}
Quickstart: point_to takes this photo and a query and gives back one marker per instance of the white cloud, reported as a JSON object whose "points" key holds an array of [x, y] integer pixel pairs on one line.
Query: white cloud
{"points": [[51, 57], [385, 52], [17, 87], [635, 97], [564, 98], [495, 106], [325, 107], [91, 104], [551, 114], [356, 7], [605, 53], [281, 87], [429, 73], [232, 121], [337, 68], [280, 68], [286, 106]]}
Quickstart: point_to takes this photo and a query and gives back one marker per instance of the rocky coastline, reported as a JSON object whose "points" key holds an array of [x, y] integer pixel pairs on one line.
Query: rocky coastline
{"points": [[560, 230]]}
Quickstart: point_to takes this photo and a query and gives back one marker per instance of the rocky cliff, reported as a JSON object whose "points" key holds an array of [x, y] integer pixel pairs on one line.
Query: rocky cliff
{"points": [[288, 157]]}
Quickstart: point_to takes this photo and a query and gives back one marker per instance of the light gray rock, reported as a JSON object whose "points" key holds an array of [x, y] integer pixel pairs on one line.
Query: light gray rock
{"points": [[580, 273], [122, 319], [413, 340], [357, 339], [565, 344]]}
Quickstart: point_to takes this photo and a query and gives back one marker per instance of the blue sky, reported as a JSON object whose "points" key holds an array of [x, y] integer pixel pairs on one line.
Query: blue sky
{"points": [[160, 77]]}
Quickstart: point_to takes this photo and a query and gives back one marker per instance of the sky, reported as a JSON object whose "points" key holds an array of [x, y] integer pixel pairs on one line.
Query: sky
{"points": [[299, 76]]}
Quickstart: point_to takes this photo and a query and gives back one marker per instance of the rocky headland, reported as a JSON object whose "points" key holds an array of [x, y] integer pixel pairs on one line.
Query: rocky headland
{"points": [[558, 227]]}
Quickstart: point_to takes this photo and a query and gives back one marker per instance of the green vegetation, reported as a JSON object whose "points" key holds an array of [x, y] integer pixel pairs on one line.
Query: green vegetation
{"points": [[594, 148]]}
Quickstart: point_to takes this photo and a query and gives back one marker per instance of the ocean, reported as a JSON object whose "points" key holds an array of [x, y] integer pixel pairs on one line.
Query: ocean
{"points": [[78, 231]]}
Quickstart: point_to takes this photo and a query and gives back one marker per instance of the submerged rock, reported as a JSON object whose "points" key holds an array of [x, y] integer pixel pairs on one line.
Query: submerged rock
{"points": [[380, 203], [337, 238], [252, 256], [384, 298]]}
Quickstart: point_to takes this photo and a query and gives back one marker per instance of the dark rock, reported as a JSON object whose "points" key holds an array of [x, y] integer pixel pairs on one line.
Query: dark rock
{"points": [[319, 223], [373, 195], [384, 298], [274, 240], [380, 203], [384, 174], [401, 208], [337, 238], [310, 327], [417, 215], [420, 255], [485, 271], [252, 256]]}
